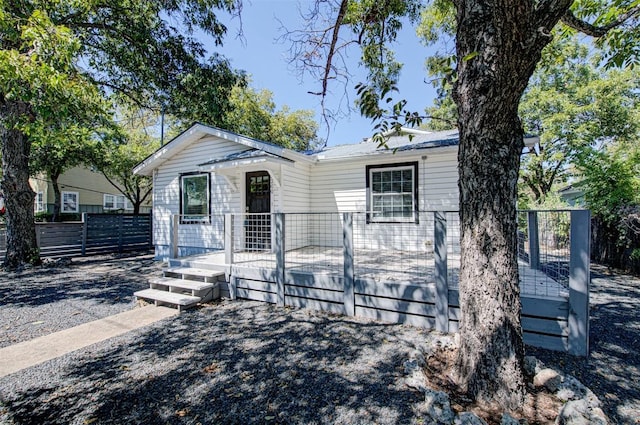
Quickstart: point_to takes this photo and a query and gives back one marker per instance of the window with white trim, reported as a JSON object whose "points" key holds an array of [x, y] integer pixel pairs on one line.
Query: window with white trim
{"points": [[39, 203], [70, 202], [116, 202], [392, 192], [194, 197]]}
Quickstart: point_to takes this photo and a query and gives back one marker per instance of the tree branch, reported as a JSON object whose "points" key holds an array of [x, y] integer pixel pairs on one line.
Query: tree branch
{"points": [[574, 22], [332, 46]]}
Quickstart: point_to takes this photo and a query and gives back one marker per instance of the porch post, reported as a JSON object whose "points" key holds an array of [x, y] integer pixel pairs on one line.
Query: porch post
{"points": [[228, 253], [175, 222], [442, 284], [534, 240], [228, 239], [347, 241], [279, 251], [579, 280]]}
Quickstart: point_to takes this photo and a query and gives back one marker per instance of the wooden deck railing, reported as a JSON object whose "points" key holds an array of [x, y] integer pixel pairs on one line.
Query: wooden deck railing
{"points": [[338, 262]]}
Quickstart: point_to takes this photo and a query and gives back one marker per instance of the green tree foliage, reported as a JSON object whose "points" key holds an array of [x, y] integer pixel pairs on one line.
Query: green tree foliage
{"points": [[610, 178], [254, 114], [58, 57], [40, 89], [573, 104], [54, 152], [136, 139]]}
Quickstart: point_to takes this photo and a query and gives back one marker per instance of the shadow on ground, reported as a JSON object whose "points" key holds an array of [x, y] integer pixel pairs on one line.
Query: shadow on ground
{"points": [[106, 281], [235, 363]]}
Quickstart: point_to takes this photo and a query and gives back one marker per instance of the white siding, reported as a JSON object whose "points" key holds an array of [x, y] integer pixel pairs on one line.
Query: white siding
{"points": [[312, 191], [340, 186], [296, 200], [166, 195], [296, 182]]}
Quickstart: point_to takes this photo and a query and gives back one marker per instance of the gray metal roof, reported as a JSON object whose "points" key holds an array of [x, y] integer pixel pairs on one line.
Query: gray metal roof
{"points": [[399, 143]]}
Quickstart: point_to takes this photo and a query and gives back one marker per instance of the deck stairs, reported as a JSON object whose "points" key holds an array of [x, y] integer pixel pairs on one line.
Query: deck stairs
{"points": [[185, 285]]}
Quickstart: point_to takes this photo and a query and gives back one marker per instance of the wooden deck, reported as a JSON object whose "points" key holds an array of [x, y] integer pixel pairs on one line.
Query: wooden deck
{"points": [[388, 266]]}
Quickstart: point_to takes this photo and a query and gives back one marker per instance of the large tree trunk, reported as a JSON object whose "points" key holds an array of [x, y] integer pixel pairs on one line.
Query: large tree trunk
{"points": [[498, 45], [21, 235]]}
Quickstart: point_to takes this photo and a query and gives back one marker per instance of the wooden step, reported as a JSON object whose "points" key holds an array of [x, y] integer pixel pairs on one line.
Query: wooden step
{"points": [[180, 300], [191, 271], [173, 283]]}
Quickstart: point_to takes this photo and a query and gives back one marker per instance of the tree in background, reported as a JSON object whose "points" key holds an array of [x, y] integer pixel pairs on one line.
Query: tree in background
{"points": [[573, 103], [54, 152], [498, 44], [56, 55], [610, 178], [253, 113], [136, 139]]}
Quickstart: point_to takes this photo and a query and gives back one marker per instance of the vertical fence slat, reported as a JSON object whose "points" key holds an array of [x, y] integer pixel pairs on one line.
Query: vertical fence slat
{"points": [[38, 233], [280, 252], [151, 229], [534, 240], [120, 231], [579, 279], [442, 286], [347, 241], [85, 231]]}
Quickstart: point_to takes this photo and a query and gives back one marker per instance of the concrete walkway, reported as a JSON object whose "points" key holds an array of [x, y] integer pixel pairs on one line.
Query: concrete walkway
{"points": [[29, 353]]}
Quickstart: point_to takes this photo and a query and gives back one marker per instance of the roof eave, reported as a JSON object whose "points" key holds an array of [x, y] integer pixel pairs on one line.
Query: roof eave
{"points": [[243, 163], [197, 131]]}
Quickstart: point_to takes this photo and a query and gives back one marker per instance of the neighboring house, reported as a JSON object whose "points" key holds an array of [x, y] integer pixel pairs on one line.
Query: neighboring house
{"points": [[573, 196], [82, 190], [206, 172]]}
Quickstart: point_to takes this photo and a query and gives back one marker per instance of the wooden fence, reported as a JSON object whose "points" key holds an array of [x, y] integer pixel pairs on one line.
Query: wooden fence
{"points": [[95, 234]]}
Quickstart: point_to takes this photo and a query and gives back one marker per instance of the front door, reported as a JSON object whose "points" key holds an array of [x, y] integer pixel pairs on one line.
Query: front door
{"points": [[258, 221]]}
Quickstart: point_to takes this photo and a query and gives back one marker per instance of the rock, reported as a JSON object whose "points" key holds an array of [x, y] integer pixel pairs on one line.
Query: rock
{"points": [[507, 419], [468, 418], [548, 378], [579, 412], [532, 365], [437, 408], [57, 262], [418, 358], [571, 389], [414, 376]]}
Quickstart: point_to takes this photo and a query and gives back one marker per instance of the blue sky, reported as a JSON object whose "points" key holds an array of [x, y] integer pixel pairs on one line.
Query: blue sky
{"points": [[265, 59]]}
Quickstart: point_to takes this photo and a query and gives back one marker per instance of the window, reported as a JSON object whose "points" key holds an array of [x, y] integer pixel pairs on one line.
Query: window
{"points": [[392, 192], [70, 202], [194, 198], [39, 203], [116, 202]]}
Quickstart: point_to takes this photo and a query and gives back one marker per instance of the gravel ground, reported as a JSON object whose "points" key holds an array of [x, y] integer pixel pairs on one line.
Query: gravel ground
{"points": [[612, 370], [248, 362], [234, 362], [42, 300]]}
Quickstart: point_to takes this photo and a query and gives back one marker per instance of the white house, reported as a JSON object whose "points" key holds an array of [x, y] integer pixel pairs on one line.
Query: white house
{"points": [[357, 229], [206, 172]]}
